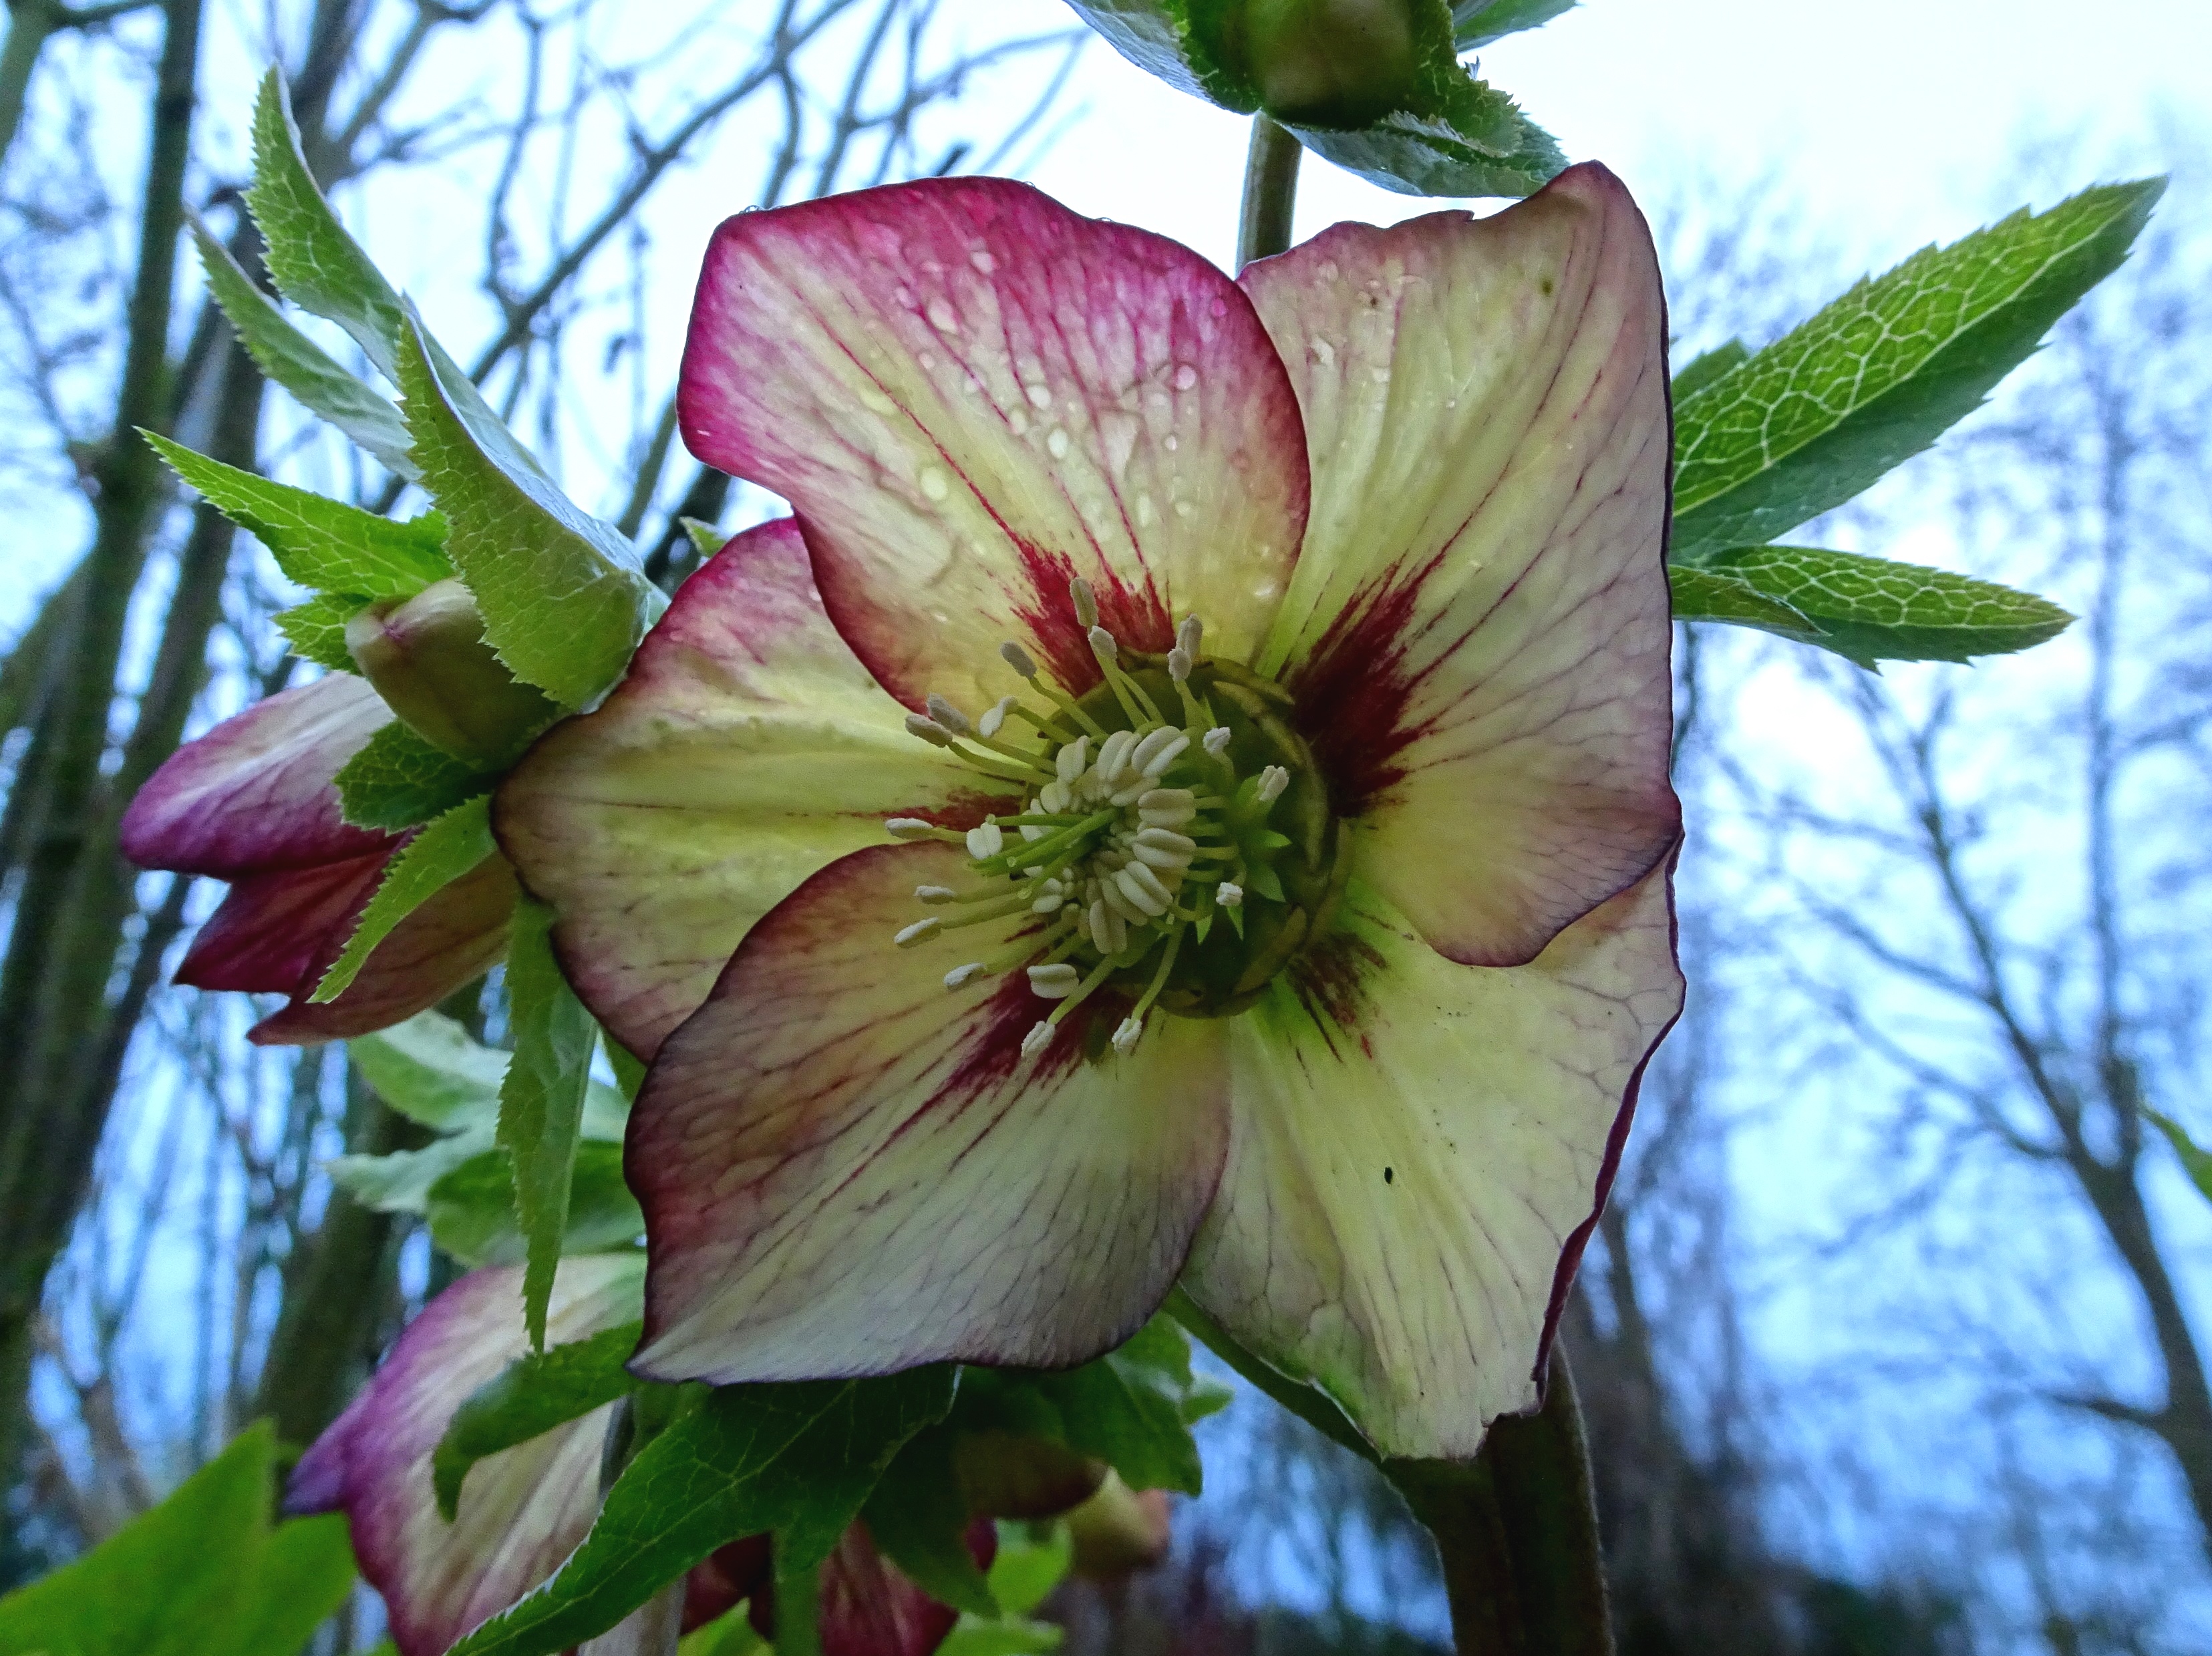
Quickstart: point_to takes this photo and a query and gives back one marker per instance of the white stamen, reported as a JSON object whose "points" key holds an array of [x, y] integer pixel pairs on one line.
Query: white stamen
{"points": [[1086, 606], [986, 840], [1070, 761], [1056, 797], [1163, 848], [1229, 895], [1188, 635], [909, 828], [1159, 750], [1273, 781], [1216, 740], [948, 715], [961, 976], [1108, 931], [1114, 755], [1037, 1040], [928, 729], [910, 935], [1103, 645], [1055, 982], [934, 893], [1017, 658], [1142, 887], [1179, 663], [1168, 808], [995, 716], [1125, 1037], [1120, 904]]}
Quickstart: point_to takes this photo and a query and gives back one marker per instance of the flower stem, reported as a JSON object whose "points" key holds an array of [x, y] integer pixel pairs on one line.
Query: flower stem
{"points": [[1516, 1530], [1271, 190], [798, 1606]]}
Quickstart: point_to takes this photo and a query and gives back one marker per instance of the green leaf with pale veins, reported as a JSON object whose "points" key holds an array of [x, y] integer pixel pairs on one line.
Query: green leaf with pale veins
{"points": [[531, 1396], [1450, 154], [541, 1102], [445, 849], [1707, 595], [316, 629], [564, 602], [289, 358], [311, 258], [1704, 370], [430, 1071], [399, 778], [2196, 1162], [1877, 376], [1478, 22], [1869, 610], [798, 1459], [318, 542], [470, 1207]]}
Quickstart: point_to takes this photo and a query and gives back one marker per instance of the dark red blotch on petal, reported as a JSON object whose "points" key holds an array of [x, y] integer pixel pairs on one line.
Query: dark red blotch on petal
{"points": [[869, 1607]]}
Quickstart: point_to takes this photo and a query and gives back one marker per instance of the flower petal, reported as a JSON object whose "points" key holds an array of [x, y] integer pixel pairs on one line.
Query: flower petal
{"points": [[522, 1511], [257, 791], [271, 929], [456, 935], [1420, 1150], [870, 1607], [969, 394], [747, 749], [1478, 631], [848, 1169]]}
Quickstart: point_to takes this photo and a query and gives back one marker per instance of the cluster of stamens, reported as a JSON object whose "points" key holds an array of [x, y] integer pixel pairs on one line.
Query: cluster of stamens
{"points": [[1130, 841]]}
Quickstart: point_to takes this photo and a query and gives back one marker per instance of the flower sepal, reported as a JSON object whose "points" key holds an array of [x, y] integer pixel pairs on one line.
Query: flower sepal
{"points": [[427, 657]]}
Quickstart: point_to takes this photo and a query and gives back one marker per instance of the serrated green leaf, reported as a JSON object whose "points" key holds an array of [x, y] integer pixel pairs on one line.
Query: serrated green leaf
{"points": [[1701, 594], [1419, 158], [1027, 1569], [1011, 1635], [399, 778], [1877, 376], [289, 358], [1702, 371], [316, 629], [448, 848], [317, 542], [431, 1072], [797, 1459], [541, 1102], [531, 1395], [918, 1516], [706, 539], [311, 258], [401, 1181], [2196, 1162], [469, 1208], [564, 603], [1869, 610], [728, 1634], [1126, 1409], [203, 1573], [1478, 22]]}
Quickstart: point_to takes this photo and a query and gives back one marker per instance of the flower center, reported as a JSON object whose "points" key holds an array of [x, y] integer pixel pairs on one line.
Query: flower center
{"points": [[1174, 850]]}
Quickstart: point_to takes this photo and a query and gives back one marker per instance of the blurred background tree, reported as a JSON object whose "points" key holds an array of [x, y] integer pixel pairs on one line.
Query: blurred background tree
{"points": [[1888, 1341]]}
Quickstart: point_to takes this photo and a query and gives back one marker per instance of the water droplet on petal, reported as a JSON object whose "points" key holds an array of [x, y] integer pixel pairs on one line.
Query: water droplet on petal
{"points": [[943, 317], [1185, 509], [1057, 442], [983, 261], [874, 401], [1185, 376], [1038, 396], [934, 483]]}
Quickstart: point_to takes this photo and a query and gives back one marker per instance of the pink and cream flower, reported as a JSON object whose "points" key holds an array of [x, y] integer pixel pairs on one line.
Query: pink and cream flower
{"points": [[1264, 684], [255, 801]]}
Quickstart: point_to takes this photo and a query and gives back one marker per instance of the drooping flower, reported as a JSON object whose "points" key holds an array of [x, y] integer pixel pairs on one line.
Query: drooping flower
{"points": [[1266, 684], [255, 801], [522, 1511]]}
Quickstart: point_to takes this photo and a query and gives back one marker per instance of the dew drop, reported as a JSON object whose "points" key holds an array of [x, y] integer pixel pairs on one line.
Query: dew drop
{"points": [[1147, 514], [934, 483], [942, 317], [983, 261], [1038, 396], [904, 294], [1057, 442], [875, 402], [1171, 442], [1323, 352], [1185, 376], [1018, 420], [1185, 509]]}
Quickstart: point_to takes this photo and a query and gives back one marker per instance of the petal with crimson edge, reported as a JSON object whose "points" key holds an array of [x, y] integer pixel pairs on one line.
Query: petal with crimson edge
{"points": [[271, 929], [848, 1169], [969, 394], [459, 933], [258, 790], [522, 1511], [1478, 631], [746, 749], [1420, 1150], [869, 1607]]}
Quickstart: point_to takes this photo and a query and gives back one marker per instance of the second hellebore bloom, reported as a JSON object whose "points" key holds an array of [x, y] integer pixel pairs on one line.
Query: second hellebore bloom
{"points": [[1267, 682]]}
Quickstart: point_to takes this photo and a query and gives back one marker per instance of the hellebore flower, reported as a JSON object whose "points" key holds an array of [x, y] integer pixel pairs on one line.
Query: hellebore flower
{"points": [[1280, 893], [254, 802], [524, 1510]]}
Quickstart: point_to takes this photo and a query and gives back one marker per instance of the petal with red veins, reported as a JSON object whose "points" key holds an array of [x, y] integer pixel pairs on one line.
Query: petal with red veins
{"points": [[869, 1606], [848, 1169], [1420, 1148], [271, 929], [258, 792], [747, 748], [969, 394], [1478, 630], [522, 1511], [459, 933]]}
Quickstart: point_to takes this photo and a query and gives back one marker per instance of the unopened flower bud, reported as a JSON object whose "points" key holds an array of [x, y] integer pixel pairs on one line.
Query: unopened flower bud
{"points": [[1340, 64], [427, 658]]}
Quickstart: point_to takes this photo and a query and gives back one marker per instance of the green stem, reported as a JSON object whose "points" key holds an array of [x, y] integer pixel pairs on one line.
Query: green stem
{"points": [[798, 1606], [1271, 191]]}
